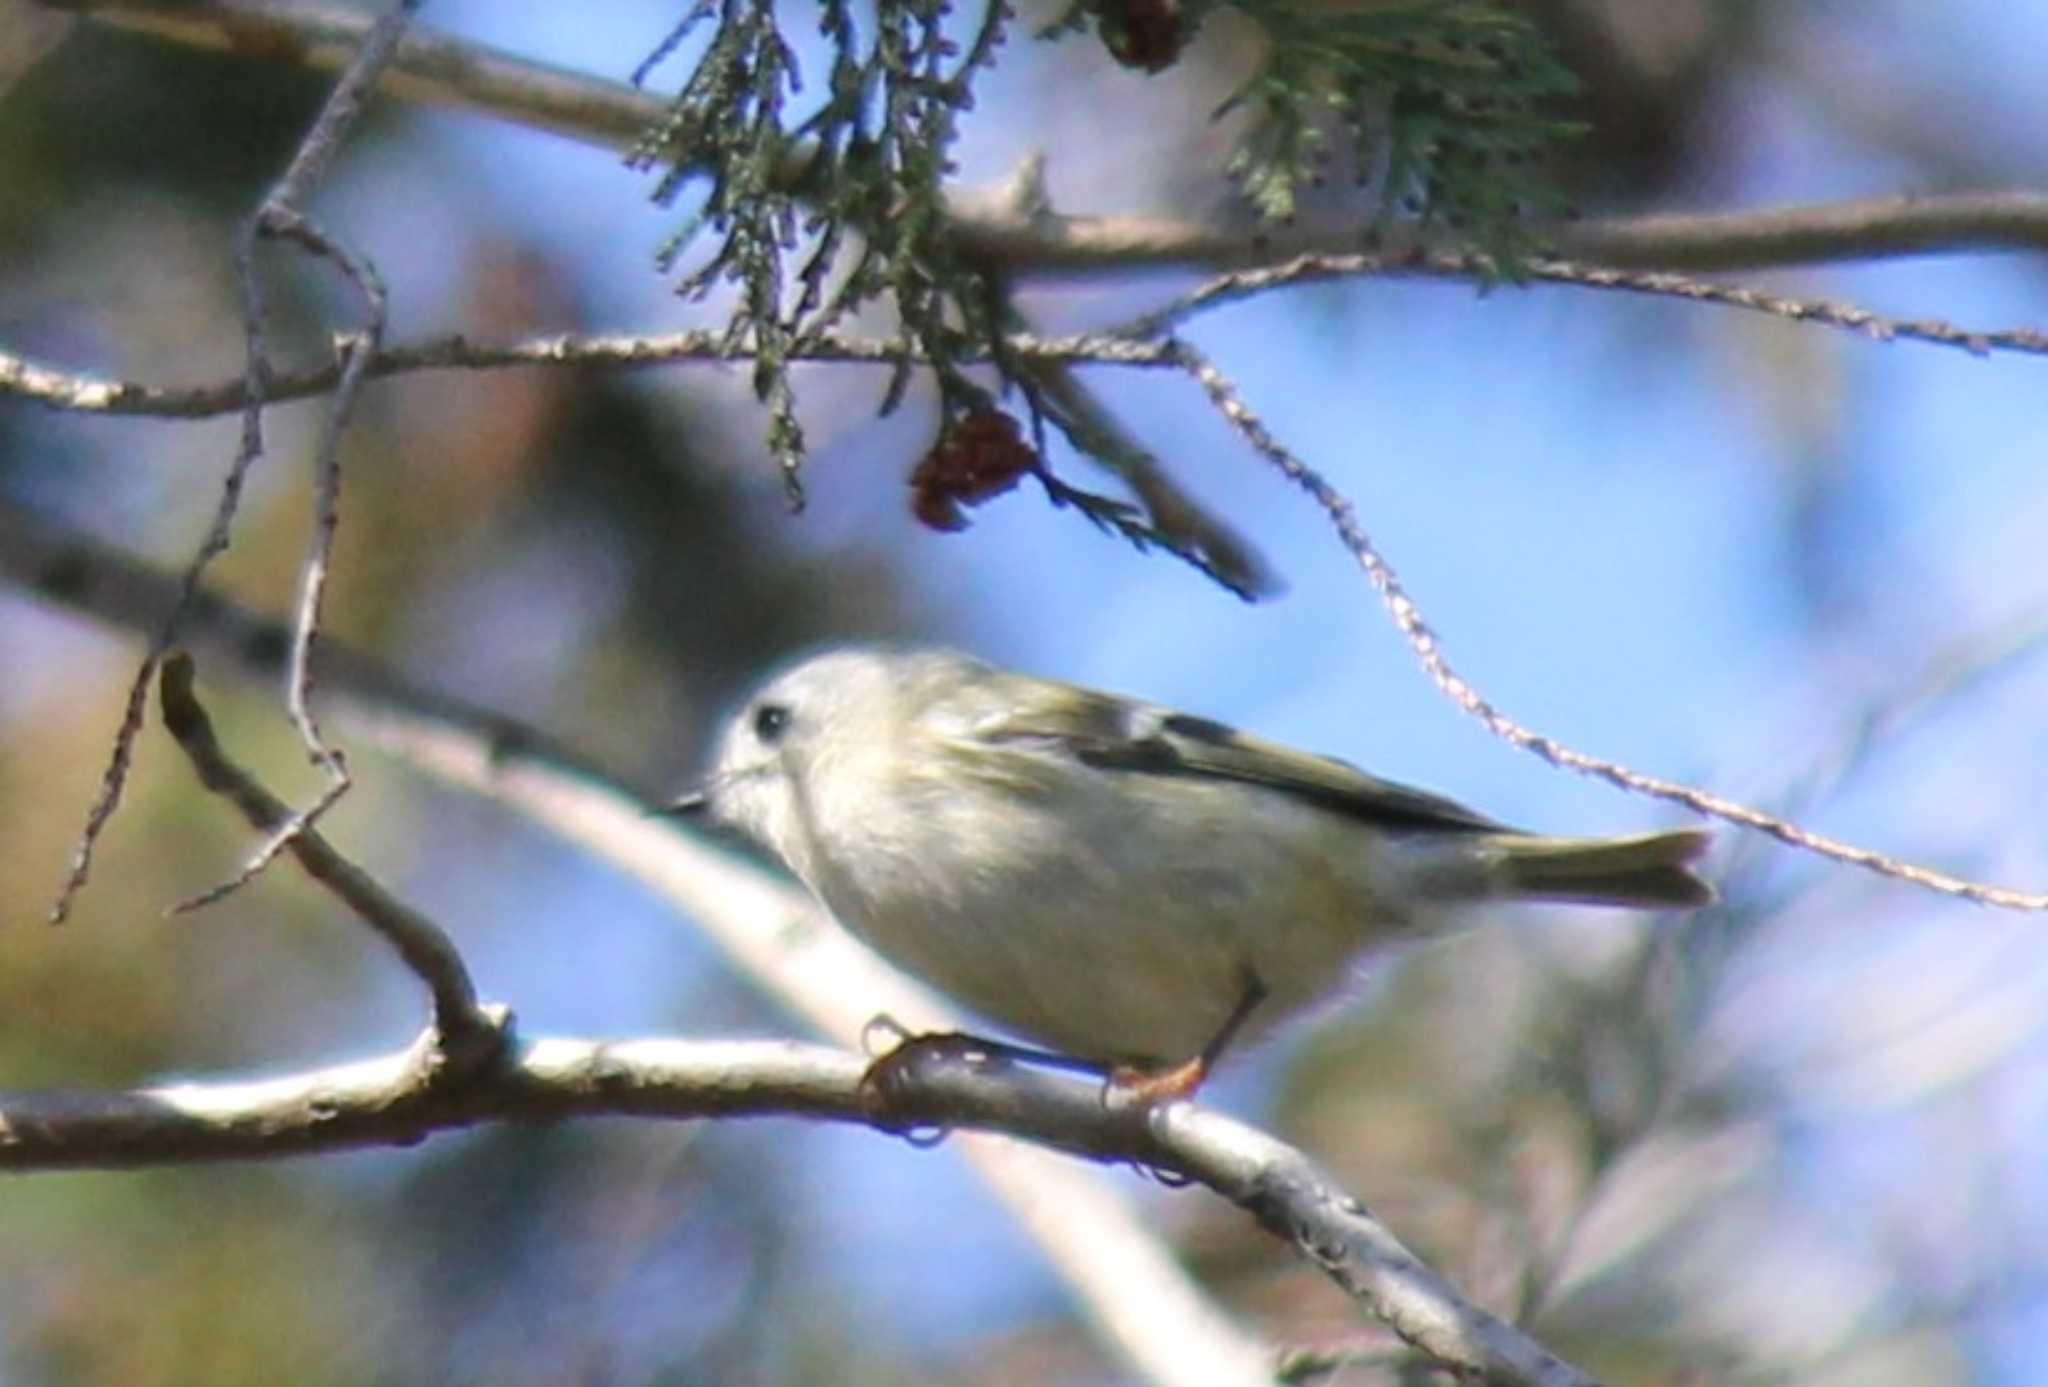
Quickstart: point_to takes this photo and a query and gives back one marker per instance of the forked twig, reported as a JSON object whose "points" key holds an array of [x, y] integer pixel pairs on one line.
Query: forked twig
{"points": [[278, 216], [459, 1020]]}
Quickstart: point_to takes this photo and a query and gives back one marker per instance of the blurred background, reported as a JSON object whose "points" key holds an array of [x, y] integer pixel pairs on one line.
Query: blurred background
{"points": [[1795, 1138]]}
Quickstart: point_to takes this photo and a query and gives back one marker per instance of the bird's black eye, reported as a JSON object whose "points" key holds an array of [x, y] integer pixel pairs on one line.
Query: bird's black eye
{"points": [[771, 720]]}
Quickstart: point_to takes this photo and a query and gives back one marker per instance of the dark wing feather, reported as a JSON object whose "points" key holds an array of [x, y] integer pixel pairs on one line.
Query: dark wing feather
{"points": [[1113, 734]]}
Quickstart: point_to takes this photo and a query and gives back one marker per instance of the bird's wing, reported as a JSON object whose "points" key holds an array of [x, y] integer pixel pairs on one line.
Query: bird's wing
{"points": [[1114, 734]]}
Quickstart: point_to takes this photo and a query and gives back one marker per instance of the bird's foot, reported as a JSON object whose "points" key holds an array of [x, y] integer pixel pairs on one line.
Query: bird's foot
{"points": [[1135, 1086], [904, 1060]]}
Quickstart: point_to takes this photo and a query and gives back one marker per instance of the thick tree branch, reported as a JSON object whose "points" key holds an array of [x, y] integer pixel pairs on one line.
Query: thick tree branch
{"points": [[386, 1102], [439, 69], [431, 68], [1874, 228], [1702, 242]]}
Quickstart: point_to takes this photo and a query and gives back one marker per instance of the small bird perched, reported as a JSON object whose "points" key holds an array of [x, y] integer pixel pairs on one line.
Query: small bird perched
{"points": [[1128, 884]]}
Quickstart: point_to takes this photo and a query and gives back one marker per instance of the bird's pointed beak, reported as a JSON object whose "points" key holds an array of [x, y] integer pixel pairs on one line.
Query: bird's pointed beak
{"points": [[696, 802]]}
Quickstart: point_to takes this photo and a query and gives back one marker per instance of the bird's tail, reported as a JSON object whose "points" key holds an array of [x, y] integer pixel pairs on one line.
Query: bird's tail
{"points": [[1650, 871]]}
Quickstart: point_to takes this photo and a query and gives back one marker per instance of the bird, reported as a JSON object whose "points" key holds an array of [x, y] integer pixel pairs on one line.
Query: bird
{"points": [[1135, 888]]}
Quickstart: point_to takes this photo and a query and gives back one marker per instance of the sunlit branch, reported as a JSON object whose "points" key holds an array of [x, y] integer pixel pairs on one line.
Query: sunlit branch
{"points": [[387, 1102]]}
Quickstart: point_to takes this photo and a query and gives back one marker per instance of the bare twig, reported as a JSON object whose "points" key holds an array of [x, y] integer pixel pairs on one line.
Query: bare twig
{"points": [[1136, 343], [282, 215], [1310, 269], [64, 390], [278, 215], [1423, 641], [465, 1028]]}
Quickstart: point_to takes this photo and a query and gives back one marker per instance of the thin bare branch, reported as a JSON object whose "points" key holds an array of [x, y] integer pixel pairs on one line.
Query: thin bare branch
{"points": [[278, 215], [467, 1029], [87, 394], [1310, 269], [1429, 650], [282, 215], [1135, 343]]}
